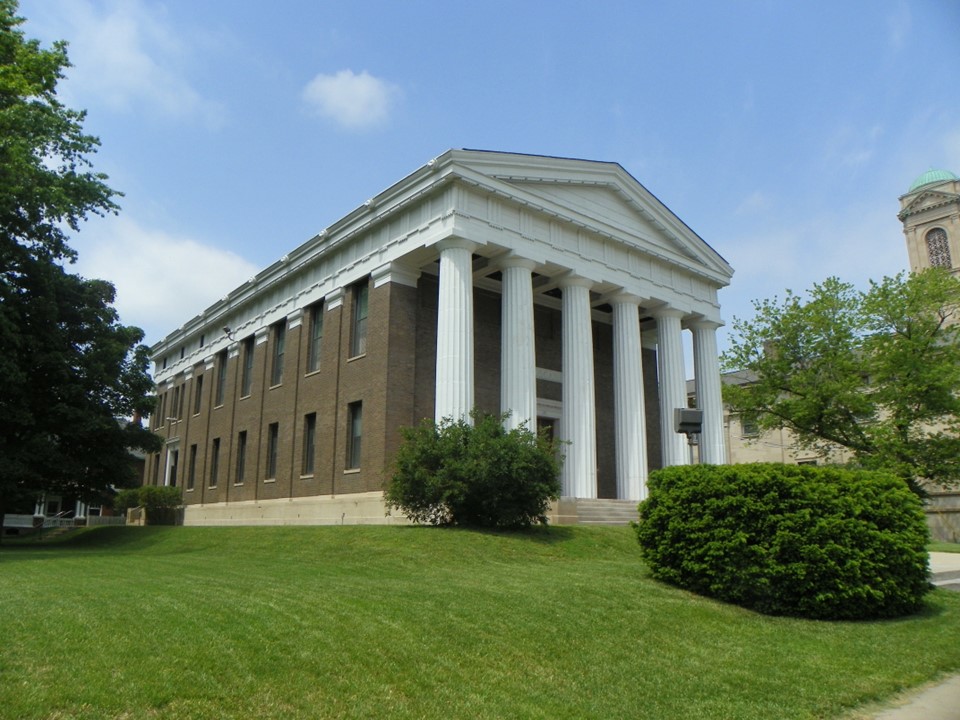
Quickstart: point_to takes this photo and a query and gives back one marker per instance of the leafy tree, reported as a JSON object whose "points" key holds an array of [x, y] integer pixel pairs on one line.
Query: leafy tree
{"points": [[478, 475], [876, 372], [69, 369]]}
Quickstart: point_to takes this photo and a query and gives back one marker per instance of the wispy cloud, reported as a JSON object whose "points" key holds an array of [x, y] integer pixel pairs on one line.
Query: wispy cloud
{"points": [[353, 101], [755, 202], [162, 279], [898, 25], [129, 57]]}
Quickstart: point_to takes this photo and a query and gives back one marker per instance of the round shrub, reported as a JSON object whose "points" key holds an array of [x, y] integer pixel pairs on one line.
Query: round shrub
{"points": [[126, 499], [815, 542], [477, 475]]}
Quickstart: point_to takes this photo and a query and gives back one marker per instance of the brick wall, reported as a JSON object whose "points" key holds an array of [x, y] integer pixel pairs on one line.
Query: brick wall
{"points": [[394, 381]]}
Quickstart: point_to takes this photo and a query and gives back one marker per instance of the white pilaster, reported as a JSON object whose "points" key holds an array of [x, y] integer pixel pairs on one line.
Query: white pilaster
{"points": [[672, 385], [578, 417], [706, 368], [454, 379], [518, 365], [631, 432]]}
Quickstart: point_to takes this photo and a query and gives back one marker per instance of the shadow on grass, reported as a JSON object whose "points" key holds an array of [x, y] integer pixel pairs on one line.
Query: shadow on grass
{"points": [[540, 534], [98, 538]]}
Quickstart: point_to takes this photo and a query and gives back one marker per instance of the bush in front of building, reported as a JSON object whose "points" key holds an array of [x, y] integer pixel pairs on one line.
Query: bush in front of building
{"points": [[125, 499], [817, 542], [159, 502], [478, 475]]}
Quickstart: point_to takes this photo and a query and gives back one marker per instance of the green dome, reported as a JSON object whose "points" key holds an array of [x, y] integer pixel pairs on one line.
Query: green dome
{"points": [[932, 176]]}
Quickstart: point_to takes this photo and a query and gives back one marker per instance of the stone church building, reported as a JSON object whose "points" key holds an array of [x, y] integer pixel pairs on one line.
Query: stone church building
{"points": [[930, 213], [555, 289]]}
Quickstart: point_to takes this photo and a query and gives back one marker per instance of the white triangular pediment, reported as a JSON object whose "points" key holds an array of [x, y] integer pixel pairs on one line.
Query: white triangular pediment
{"points": [[930, 199], [599, 196], [599, 201]]}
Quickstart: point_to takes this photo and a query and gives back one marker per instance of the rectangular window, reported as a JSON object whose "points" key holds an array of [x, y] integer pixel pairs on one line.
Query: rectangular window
{"points": [[241, 456], [192, 470], [749, 426], [273, 439], [354, 434], [316, 337], [214, 462], [174, 401], [309, 443], [161, 410], [173, 461], [358, 336], [279, 339], [221, 377], [181, 395], [246, 379], [198, 395]]}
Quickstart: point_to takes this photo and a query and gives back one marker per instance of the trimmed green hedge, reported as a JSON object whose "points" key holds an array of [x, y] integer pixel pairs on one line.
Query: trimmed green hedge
{"points": [[815, 542]]}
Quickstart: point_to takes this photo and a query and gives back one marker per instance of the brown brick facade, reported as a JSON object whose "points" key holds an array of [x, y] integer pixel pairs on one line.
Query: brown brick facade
{"points": [[393, 380]]}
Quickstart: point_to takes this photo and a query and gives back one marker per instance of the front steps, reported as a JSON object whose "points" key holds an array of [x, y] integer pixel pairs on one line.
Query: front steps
{"points": [[602, 511]]}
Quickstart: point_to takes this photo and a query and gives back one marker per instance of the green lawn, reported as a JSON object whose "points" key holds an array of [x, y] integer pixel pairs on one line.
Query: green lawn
{"points": [[944, 547], [418, 623]]}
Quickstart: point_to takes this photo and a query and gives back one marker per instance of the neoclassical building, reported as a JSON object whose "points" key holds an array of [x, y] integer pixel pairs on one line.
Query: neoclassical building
{"points": [[553, 289], [930, 213]]}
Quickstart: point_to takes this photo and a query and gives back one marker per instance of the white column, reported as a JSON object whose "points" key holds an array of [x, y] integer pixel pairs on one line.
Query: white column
{"points": [[578, 425], [454, 380], [706, 368], [518, 364], [672, 383], [631, 432]]}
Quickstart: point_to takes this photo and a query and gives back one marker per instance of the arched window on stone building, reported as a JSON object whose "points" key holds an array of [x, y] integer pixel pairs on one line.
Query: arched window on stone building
{"points": [[938, 250]]}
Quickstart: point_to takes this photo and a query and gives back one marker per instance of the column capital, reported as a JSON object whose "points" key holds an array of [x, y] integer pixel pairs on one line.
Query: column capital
{"points": [[666, 311], [513, 260], [625, 298], [571, 280], [454, 242], [705, 324], [333, 299], [295, 319], [395, 272]]}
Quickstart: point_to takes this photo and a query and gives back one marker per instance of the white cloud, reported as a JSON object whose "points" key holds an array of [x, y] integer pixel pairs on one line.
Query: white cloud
{"points": [[351, 100], [852, 146], [755, 202], [951, 146], [899, 25], [856, 244], [129, 57], [162, 280]]}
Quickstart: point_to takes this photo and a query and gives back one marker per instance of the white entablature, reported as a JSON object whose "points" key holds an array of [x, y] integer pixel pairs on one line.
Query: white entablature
{"points": [[585, 218]]}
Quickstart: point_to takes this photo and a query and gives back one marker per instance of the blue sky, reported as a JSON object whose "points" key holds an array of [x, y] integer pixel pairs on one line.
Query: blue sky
{"points": [[783, 133]]}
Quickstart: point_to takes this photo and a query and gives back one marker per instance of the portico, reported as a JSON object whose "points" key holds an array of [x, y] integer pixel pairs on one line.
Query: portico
{"points": [[570, 270], [578, 427]]}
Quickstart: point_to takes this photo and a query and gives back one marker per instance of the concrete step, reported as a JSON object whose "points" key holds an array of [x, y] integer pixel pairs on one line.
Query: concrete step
{"points": [[605, 511], [941, 579]]}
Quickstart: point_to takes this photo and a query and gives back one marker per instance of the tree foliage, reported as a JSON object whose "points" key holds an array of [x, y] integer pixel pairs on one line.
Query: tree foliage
{"points": [[69, 369], [478, 475], [876, 372]]}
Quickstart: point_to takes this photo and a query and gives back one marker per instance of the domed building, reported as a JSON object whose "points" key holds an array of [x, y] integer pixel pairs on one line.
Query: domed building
{"points": [[930, 213]]}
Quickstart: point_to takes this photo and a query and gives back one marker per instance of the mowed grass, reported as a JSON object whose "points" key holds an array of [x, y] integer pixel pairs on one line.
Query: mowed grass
{"points": [[401, 622]]}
